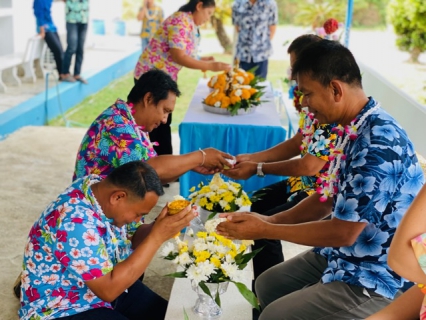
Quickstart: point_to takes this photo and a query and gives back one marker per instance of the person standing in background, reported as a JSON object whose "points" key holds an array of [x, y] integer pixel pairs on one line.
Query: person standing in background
{"points": [[256, 23], [151, 16], [77, 17], [47, 30], [173, 46]]}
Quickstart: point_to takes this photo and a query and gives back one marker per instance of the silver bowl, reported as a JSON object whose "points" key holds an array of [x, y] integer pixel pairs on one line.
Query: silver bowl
{"points": [[226, 112]]}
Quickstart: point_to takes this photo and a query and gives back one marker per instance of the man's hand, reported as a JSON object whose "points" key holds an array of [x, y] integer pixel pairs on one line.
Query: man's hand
{"points": [[167, 226], [242, 225], [242, 170], [42, 33], [243, 157], [215, 159], [203, 170]]}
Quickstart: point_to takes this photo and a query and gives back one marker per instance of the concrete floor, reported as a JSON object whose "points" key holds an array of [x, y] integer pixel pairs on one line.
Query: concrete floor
{"points": [[36, 164]]}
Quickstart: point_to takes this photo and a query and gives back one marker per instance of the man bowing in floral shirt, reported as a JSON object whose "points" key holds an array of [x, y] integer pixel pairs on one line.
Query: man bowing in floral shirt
{"points": [[255, 22], [84, 254], [372, 179]]}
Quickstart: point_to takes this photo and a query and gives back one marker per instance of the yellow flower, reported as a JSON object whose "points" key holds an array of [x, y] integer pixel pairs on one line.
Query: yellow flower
{"points": [[201, 256], [192, 189], [209, 206], [202, 234], [229, 197], [183, 249], [232, 253], [203, 202], [215, 261], [242, 248]]}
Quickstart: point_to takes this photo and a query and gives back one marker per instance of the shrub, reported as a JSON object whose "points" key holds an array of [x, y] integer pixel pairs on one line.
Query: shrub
{"points": [[408, 18]]}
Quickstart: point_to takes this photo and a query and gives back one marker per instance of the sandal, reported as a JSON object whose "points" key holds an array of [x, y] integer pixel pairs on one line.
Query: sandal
{"points": [[82, 80], [68, 78]]}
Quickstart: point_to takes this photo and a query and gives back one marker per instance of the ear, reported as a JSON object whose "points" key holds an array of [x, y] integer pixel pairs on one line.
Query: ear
{"points": [[118, 197], [147, 99], [199, 6], [337, 90]]}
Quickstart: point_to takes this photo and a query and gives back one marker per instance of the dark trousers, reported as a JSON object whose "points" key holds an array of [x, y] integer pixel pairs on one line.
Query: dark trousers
{"points": [[163, 135], [273, 200], [262, 67], [76, 35], [138, 303], [54, 44]]}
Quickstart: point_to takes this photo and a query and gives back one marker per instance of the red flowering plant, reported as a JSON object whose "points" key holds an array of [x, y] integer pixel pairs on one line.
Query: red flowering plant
{"points": [[329, 30]]}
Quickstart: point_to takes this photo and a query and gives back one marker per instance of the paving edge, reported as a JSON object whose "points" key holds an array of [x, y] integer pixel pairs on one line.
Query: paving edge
{"points": [[43, 107]]}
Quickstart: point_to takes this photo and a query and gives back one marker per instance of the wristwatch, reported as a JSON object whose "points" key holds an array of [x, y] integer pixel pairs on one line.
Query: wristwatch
{"points": [[259, 170]]}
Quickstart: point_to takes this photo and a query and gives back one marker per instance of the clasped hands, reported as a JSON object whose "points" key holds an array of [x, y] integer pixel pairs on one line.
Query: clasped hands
{"points": [[214, 161]]}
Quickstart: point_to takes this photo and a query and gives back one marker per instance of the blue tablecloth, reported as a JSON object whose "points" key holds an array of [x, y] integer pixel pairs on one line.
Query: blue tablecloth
{"points": [[233, 134]]}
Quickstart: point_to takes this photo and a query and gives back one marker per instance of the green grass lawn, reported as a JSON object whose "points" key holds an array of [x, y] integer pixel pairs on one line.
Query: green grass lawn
{"points": [[86, 111]]}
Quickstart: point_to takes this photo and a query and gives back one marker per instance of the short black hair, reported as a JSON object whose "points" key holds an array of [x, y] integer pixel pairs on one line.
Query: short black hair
{"points": [[137, 178], [328, 60], [192, 4], [156, 82], [298, 44]]}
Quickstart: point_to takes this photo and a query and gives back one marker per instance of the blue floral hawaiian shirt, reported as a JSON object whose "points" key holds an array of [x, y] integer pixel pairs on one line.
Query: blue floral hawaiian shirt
{"points": [[377, 182], [72, 242], [254, 42]]}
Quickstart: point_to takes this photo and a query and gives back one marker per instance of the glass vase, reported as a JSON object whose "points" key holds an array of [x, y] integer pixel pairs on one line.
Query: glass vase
{"points": [[205, 306], [204, 214]]}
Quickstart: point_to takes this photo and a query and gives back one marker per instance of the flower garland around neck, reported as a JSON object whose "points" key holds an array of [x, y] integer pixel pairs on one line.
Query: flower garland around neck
{"points": [[327, 182], [119, 255], [140, 129], [308, 128]]}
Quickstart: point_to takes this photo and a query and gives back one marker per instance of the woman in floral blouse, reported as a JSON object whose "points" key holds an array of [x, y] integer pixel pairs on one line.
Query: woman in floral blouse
{"points": [[120, 134], [85, 252], [173, 46], [407, 257]]}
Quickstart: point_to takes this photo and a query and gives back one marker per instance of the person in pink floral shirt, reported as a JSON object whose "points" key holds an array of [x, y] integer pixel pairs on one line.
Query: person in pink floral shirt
{"points": [[120, 134], [173, 46], [85, 253]]}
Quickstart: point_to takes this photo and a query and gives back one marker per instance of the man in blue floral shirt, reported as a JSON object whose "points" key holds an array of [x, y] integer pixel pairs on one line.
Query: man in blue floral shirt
{"points": [[371, 181], [255, 22]]}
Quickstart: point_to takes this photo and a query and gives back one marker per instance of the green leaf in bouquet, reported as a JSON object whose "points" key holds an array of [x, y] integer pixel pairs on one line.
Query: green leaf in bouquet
{"points": [[211, 215], [185, 315], [253, 70], [242, 258], [233, 108], [180, 274], [171, 256], [247, 294], [206, 290]]}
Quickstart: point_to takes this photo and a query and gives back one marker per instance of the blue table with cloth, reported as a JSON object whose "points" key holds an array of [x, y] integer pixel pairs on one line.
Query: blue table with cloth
{"points": [[235, 135]]}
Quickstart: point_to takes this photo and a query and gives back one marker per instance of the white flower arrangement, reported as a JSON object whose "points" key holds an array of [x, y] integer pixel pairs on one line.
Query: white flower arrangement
{"points": [[219, 195], [212, 258]]}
